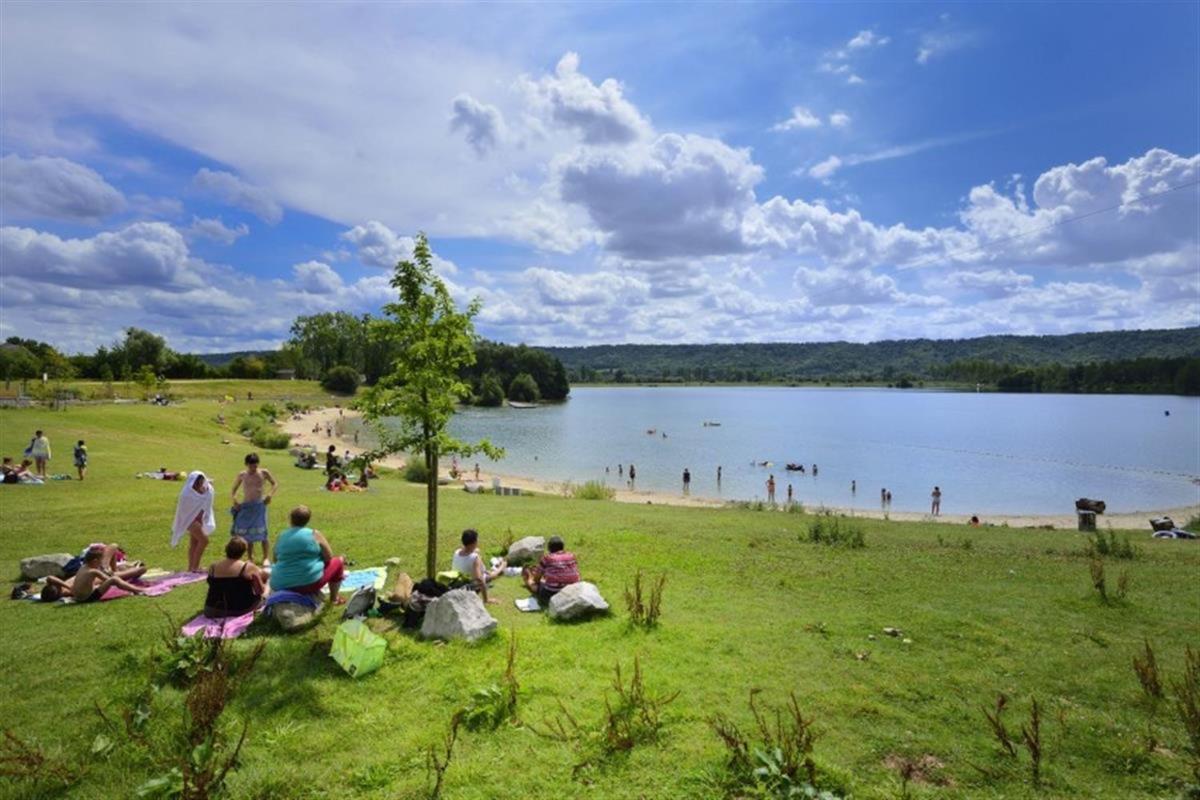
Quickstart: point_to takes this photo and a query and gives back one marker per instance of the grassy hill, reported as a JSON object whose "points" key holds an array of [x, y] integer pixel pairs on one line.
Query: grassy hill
{"points": [[750, 604]]}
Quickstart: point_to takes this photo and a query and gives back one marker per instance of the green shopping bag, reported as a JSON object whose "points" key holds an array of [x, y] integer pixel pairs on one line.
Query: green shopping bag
{"points": [[357, 649]]}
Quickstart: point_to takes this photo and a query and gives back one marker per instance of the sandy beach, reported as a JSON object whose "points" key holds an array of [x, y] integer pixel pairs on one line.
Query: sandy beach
{"points": [[342, 423]]}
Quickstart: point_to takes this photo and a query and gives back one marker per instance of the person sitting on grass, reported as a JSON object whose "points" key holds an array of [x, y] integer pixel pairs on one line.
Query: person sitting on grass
{"points": [[92, 580], [467, 561], [554, 572], [8, 471], [303, 561], [235, 585]]}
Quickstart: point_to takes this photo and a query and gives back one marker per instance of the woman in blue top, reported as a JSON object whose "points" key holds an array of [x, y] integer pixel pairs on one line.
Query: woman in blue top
{"points": [[303, 560]]}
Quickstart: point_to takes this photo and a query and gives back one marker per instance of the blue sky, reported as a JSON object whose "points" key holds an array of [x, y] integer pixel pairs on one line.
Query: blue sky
{"points": [[601, 172]]}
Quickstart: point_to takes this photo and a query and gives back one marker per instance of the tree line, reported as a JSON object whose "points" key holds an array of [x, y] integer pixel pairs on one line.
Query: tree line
{"points": [[1127, 361], [337, 348]]}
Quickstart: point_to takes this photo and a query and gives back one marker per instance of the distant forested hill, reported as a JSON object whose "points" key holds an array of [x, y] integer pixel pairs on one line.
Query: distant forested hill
{"points": [[917, 359]]}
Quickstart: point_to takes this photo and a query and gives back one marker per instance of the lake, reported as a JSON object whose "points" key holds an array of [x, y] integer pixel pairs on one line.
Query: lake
{"points": [[989, 453]]}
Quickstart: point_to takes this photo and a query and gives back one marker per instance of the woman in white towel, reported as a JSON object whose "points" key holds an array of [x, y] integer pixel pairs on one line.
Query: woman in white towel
{"points": [[194, 517]]}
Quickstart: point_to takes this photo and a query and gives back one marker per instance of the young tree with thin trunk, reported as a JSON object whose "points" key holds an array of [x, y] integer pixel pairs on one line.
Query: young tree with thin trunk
{"points": [[433, 342]]}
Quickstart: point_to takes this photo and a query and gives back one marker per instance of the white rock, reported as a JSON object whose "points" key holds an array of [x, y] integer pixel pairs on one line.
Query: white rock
{"points": [[36, 567], [523, 551], [459, 614], [577, 601], [293, 616]]}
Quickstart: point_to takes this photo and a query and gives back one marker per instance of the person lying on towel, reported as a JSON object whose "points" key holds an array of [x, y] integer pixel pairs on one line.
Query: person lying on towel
{"points": [[92, 581], [556, 570]]}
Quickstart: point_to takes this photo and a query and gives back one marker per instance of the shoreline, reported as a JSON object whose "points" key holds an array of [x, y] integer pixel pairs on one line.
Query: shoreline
{"points": [[339, 418]]}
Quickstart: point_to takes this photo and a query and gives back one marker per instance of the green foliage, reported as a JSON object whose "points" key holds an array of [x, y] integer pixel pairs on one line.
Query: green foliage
{"points": [[1187, 706], [775, 761], [524, 389], [506, 362], [592, 490], [341, 379], [17, 363], [1108, 545], [270, 438], [1136, 361], [415, 470], [251, 422], [644, 602], [836, 531], [492, 706], [433, 342], [491, 392]]}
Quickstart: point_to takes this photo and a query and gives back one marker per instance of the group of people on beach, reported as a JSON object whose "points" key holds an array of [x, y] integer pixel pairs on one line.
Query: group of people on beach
{"points": [[35, 458]]}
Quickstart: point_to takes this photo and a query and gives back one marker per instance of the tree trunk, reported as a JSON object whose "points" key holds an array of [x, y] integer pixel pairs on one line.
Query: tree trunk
{"points": [[431, 488]]}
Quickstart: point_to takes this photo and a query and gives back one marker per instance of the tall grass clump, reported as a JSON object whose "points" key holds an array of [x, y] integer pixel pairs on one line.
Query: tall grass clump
{"points": [[634, 718], [644, 603], [775, 758], [592, 490], [1107, 545], [1187, 706], [1145, 666], [836, 531]]}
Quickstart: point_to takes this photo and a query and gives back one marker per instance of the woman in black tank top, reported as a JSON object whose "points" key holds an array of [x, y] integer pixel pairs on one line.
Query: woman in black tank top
{"points": [[233, 595]]}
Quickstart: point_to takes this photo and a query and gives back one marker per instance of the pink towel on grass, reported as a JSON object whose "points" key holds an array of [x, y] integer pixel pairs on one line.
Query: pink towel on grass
{"points": [[225, 628], [153, 588]]}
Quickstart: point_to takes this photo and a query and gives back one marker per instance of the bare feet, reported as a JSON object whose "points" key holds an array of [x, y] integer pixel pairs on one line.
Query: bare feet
{"points": [[337, 601], [491, 601]]}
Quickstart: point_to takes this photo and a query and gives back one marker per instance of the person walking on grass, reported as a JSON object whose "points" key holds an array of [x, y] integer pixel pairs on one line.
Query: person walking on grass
{"points": [[936, 505], [81, 458], [771, 490], [39, 450], [250, 515]]}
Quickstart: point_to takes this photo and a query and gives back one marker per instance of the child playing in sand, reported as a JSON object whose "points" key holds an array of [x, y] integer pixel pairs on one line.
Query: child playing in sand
{"points": [[250, 515]]}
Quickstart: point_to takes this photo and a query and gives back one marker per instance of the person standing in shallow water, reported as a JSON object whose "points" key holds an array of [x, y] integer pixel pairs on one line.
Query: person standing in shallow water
{"points": [[632, 475], [936, 504], [771, 490], [687, 481], [718, 475], [853, 487]]}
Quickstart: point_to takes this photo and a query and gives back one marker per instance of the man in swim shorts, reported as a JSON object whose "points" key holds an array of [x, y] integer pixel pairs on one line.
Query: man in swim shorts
{"points": [[250, 515]]}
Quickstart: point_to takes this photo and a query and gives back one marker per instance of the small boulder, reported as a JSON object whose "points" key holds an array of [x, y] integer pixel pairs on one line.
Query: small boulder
{"points": [[524, 551], [293, 616], [577, 601], [459, 614], [38, 567]]}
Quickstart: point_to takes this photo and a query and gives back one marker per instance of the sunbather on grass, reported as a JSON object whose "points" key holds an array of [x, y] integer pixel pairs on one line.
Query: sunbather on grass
{"points": [[92, 580]]}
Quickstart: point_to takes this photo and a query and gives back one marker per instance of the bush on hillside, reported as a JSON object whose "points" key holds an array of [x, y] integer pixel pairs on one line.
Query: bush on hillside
{"points": [[251, 422], [524, 389], [341, 379], [415, 470], [592, 490], [491, 393], [269, 438]]}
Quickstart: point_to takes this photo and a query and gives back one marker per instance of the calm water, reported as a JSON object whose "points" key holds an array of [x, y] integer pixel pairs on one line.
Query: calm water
{"points": [[989, 453]]}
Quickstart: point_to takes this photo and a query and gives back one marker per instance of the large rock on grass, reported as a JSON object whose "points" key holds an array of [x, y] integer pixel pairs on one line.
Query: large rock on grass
{"points": [[37, 567], [577, 601], [459, 614], [524, 551], [293, 616]]}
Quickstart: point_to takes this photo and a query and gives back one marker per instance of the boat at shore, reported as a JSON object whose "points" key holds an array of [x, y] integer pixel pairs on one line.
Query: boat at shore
{"points": [[517, 404]]}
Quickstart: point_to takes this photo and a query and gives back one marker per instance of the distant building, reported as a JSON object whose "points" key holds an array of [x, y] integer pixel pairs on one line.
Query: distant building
{"points": [[285, 374]]}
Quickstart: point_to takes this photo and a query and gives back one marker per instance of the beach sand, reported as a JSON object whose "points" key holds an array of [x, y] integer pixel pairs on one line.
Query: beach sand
{"points": [[345, 421]]}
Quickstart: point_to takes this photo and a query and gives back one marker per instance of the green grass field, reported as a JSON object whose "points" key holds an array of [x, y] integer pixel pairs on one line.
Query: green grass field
{"points": [[749, 604]]}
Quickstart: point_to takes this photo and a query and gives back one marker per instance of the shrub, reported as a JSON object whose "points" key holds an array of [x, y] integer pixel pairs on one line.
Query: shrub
{"points": [[645, 603], [1107, 544], [491, 392], [251, 422], [494, 705], [779, 763], [269, 438], [1146, 668], [341, 379], [415, 470], [270, 411], [524, 389], [1187, 706], [836, 532], [592, 490]]}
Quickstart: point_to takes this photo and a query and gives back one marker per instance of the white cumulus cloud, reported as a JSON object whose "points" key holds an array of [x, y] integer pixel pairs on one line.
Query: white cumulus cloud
{"points": [[801, 118], [55, 188], [232, 190]]}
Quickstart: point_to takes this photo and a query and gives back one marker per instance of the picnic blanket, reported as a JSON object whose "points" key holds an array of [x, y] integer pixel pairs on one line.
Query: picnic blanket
{"points": [[153, 588], [355, 580], [223, 628]]}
